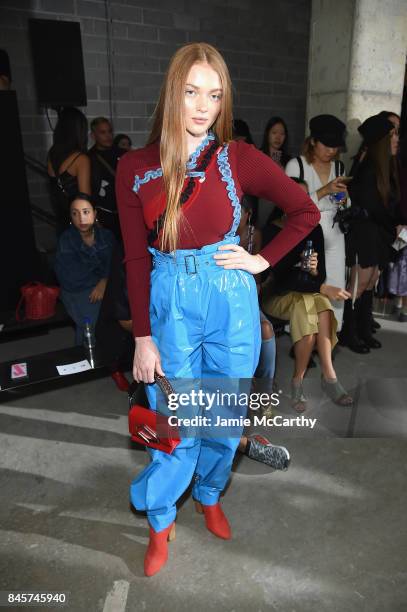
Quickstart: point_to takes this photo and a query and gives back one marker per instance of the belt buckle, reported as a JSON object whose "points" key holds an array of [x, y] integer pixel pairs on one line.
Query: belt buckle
{"points": [[187, 264]]}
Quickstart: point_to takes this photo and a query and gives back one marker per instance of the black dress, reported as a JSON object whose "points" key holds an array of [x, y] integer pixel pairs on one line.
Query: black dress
{"points": [[116, 346], [287, 276], [64, 189], [372, 233]]}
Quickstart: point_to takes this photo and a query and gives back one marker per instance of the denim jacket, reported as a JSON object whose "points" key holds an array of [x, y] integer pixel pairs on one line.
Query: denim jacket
{"points": [[79, 266]]}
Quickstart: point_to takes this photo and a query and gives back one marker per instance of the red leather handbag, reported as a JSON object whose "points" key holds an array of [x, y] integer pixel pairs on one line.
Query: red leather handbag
{"points": [[148, 427], [40, 301]]}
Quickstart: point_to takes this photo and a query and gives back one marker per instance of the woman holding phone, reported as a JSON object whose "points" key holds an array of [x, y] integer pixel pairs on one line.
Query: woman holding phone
{"points": [[195, 311], [319, 167]]}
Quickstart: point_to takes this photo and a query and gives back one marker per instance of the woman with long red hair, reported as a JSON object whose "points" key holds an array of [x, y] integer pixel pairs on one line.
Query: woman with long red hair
{"points": [[191, 288]]}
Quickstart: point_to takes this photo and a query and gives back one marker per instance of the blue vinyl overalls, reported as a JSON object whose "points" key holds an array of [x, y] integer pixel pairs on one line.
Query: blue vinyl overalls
{"points": [[205, 323]]}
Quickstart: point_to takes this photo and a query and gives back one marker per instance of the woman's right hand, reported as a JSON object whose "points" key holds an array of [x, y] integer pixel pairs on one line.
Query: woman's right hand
{"points": [[147, 360], [335, 186], [334, 293]]}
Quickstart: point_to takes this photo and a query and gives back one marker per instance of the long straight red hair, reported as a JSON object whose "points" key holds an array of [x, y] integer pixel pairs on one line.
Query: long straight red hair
{"points": [[169, 127]]}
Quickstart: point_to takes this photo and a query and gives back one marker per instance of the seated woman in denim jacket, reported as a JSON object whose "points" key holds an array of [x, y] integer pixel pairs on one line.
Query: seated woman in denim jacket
{"points": [[303, 298], [82, 264]]}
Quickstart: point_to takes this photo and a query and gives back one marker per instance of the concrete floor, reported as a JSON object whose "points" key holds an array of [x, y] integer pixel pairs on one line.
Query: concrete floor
{"points": [[328, 535]]}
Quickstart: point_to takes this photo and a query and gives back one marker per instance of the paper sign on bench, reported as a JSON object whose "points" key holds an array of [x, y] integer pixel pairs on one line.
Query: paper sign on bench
{"points": [[74, 368]]}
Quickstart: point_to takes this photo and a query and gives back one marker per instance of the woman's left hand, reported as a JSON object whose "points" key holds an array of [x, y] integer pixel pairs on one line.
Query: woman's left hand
{"points": [[98, 292], [240, 259]]}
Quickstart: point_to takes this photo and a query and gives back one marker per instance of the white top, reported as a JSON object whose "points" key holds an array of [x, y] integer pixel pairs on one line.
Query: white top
{"points": [[314, 183]]}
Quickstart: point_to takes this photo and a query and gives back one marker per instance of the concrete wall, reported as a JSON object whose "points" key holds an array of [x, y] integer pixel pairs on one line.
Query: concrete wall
{"points": [[329, 57], [378, 61], [265, 43], [357, 60]]}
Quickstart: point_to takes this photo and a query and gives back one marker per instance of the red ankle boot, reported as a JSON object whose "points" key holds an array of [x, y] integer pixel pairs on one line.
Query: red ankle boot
{"points": [[121, 381], [215, 520], [157, 550]]}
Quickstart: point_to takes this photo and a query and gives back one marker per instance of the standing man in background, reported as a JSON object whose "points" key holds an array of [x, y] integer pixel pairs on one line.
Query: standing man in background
{"points": [[104, 156]]}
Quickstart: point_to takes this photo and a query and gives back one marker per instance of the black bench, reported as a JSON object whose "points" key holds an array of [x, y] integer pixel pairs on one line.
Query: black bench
{"points": [[13, 329], [42, 368]]}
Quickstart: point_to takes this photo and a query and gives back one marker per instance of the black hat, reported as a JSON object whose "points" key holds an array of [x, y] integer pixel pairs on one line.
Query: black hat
{"points": [[375, 128], [388, 114], [328, 129]]}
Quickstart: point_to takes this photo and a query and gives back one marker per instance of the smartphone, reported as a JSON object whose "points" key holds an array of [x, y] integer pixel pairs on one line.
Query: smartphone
{"points": [[19, 370], [346, 179]]}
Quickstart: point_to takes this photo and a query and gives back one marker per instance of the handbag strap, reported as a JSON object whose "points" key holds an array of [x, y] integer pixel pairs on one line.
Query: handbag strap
{"points": [[162, 382], [20, 302], [22, 298], [301, 167]]}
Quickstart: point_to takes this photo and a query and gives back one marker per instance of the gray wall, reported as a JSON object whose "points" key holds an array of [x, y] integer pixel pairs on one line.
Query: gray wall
{"points": [[265, 43], [357, 61]]}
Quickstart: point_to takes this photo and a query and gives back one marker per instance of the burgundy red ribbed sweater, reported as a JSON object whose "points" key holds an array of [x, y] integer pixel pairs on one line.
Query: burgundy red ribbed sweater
{"points": [[207, 215]]}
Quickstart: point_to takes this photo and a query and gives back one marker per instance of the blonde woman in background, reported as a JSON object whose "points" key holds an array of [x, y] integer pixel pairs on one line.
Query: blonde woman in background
{"points": [[319, 167]]}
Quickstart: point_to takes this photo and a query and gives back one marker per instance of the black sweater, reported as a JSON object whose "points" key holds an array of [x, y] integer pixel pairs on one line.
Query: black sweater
{"points": [[364, 193], [287, 276]]}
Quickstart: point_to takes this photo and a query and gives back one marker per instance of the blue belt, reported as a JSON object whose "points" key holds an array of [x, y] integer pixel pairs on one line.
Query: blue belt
{"points": [[190, 261]]}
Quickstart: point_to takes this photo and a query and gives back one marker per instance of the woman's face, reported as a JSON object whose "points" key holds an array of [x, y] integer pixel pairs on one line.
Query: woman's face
{"points": [[323, 153], [124, 143], [276, 137], [203, 99], [83, 215], [394, 141], [394, 120]]}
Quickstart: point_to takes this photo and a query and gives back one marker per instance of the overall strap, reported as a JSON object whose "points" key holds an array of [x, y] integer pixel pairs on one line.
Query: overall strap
{"points": [[227, 177]]}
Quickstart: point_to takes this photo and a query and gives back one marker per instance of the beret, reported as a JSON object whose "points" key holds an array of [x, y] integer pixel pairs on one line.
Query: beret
{"points": [[375, 128], [328, 129]]}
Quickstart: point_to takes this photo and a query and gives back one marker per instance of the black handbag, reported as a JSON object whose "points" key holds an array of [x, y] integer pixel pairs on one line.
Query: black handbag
{"points": [[345, 217]]}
